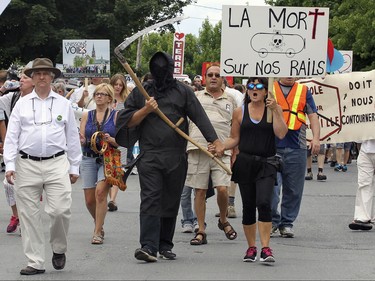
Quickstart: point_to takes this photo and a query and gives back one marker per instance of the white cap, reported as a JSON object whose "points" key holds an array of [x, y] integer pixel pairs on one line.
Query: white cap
{"points": [[188, 80]]}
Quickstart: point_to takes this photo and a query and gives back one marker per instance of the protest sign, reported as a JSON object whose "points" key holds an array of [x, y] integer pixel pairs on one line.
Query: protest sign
{"points": [[345, 104], [274, 41]]}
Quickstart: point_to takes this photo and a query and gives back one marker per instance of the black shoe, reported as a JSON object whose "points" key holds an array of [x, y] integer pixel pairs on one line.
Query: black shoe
{"points": [[28, 270], [167, 255], [333, 164], [58, 261], [360, 225], [145, 254], [321, 177], [112, 206]]}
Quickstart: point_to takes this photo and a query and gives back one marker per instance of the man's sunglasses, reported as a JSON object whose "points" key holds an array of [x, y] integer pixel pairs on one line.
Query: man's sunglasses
{"points": [[253, 86], [217, 75]]}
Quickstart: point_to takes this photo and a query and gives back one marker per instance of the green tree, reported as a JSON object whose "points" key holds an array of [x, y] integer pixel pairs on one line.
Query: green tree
{"points": [[36, 28], [351, 27]]}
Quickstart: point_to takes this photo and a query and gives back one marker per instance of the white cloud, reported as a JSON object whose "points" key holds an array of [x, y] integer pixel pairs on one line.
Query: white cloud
{"points": [[210, 9]]}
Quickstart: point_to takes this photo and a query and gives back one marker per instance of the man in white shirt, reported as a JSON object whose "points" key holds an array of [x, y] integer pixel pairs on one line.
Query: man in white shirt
{"points": [[42, 152]]}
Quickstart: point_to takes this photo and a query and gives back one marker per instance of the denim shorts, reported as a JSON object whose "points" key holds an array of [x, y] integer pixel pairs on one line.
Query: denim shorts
{"points": [[345, 145], [91, 172]]}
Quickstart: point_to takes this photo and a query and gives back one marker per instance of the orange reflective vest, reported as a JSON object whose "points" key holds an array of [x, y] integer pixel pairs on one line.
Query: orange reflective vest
{"points": [[293, 105]]}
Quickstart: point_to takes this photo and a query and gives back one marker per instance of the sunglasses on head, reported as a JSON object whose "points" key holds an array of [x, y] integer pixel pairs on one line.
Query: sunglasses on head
{"points": [[217, 75], [253, 86]]}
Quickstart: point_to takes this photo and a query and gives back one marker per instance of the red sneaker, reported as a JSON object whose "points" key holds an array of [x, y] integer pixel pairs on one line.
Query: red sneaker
{"points": [[14, 222]]}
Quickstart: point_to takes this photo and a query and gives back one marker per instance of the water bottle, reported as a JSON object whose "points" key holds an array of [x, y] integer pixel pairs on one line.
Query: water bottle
{"points": [[11, 84]]}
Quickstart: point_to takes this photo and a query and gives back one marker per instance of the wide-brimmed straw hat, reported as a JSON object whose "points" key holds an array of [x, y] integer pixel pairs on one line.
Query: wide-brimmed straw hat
{"points": [[43, 64]]}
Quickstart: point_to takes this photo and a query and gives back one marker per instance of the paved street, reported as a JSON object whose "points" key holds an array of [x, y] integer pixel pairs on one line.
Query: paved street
{"points": [[323, 248]]}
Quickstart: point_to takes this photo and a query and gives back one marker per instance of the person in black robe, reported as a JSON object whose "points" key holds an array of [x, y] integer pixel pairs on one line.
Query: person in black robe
{"points": [[162, 163]]}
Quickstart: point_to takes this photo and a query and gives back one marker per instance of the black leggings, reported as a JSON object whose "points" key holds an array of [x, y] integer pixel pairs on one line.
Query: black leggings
{"points": [[257, 195]]}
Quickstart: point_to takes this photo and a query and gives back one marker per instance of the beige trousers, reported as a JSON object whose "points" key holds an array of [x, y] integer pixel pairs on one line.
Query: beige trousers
{"points": [[32, 177]]}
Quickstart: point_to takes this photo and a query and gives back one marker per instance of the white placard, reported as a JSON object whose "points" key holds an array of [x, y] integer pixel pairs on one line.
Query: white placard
{"points": [[345, 103], [274, 41]]}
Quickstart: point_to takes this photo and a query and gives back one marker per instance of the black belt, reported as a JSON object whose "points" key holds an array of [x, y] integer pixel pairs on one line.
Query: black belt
{"points": [[35, 158], [89, 154]]}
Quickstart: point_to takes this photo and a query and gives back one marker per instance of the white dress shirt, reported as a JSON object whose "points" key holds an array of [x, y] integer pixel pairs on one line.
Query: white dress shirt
{"points": [[89, 100], [42, 128]]}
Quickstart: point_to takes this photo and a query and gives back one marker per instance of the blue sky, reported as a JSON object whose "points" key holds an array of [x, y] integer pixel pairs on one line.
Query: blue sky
{"points": [[210, 9]]}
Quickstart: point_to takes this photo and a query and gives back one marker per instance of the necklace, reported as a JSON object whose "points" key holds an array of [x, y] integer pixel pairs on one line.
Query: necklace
{"points": [[98, 124]]}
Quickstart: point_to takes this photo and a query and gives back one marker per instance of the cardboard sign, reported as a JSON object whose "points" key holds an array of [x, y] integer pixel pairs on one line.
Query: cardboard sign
{"points": [[178, 53], [274, 41], [346, 105]]}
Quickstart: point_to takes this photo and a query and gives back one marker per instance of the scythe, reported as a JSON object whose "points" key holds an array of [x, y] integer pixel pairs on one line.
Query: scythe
{"points": [[128, 69]]}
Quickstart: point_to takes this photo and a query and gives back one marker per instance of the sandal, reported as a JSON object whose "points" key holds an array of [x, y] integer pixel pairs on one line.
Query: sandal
{"points": [[231, 234], [97, 240], [196, 241]]}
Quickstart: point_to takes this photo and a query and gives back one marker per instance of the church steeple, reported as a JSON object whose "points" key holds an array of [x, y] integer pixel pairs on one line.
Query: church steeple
{"points": [[93, 52]]}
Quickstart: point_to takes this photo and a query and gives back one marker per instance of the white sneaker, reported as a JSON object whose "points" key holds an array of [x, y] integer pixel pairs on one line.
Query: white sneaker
{"points": [[274, 231], [187, 228], [286, 232], [231, 213]]}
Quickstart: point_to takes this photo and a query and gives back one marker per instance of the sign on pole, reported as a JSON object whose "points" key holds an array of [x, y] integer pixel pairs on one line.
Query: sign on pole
{"points": [[274, 41], [178, 53], [86, 58]]}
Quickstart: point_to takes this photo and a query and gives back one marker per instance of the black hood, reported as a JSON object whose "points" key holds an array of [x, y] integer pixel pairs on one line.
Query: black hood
{"points": [[161, 68]]}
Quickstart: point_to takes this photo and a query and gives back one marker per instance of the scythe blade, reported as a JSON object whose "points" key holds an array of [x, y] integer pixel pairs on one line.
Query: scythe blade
{"points": [[134, 37]]}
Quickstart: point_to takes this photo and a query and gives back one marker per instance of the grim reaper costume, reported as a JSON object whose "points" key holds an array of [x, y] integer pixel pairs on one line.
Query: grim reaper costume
{"points": [[162, 164]]}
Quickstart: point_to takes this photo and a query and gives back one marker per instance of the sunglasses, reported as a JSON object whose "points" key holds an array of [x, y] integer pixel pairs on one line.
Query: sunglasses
{"points": [[253, 86], [217, 75], [101, 94]]}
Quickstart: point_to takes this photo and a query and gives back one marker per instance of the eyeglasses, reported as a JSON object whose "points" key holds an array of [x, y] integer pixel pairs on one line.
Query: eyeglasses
{"points": [[217, 75], [46, 122], [101, 94], [253, 86]]}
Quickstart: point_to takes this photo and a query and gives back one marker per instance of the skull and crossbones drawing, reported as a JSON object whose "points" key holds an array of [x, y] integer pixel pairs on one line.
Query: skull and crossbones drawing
{"points": [[277, 42]]}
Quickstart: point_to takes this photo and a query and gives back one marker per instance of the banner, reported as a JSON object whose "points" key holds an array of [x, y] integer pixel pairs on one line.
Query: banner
{"points": [[86, 58], [274, 41], [346, 106], [178, 53]]}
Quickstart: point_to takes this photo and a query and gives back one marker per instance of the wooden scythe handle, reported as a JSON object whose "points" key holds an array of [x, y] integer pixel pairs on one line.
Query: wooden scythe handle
{"points": [[270, 92], [169, 122], [95, 135]]}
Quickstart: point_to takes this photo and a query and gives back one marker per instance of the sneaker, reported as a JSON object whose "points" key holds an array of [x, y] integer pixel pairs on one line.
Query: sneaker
{"points": [[266, 255], [360, 225], [333, 164], [112, 207], [13, 224], [286, 232], [187, 228], [196, 228], [251, 255], [274, 230], [145, 254], [344, 168], [309, 176], [167, 255], [231, 213], [321, 177], [338, 168]]}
